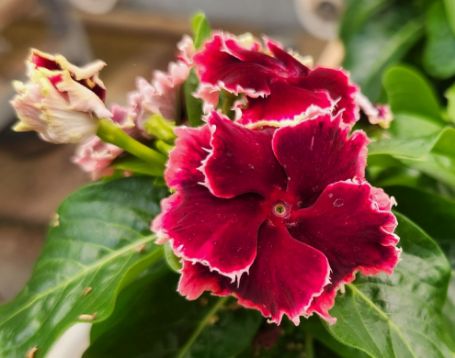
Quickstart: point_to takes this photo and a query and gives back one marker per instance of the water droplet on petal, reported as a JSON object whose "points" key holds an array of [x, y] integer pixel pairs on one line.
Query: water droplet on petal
{"points": [[338, 203]]}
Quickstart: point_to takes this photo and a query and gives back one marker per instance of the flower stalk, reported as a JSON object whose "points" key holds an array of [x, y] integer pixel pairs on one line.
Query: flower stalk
{"points": [[110, 133], [160, 128]]}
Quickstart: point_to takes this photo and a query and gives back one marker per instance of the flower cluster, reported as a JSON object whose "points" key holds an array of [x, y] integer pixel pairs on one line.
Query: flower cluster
{"points": [[274, 208], [269, 198], [160, 97]]}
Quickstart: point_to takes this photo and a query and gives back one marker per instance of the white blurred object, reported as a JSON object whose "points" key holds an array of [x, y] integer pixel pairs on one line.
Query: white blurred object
{"points": [[73, 343], [96, 7], [320, 18]]}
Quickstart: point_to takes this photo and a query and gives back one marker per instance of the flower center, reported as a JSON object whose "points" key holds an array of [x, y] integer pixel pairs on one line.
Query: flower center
{"points": [[280, 209]]}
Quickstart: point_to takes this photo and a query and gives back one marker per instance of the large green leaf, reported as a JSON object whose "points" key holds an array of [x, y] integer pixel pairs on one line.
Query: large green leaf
{"points": [[378, 37], [314, 327], [440, 46], [438, 166], [152, 320], [415, 148], [409, 92], [419, 137], [399, 315], [357, 13], [433, 213], [101, 238], [449, 309], [450, 11]]}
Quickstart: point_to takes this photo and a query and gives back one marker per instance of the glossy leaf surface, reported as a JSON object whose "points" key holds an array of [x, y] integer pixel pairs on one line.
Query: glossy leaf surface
{"points": [[100, 241], [153, 320], [400, 315]]}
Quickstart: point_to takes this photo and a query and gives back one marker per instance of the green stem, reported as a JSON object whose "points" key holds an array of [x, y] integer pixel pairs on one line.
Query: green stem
{"points": [[160, 128], [309, 349], [205, 321], [163, 147], [110, 133], [137, 165]]}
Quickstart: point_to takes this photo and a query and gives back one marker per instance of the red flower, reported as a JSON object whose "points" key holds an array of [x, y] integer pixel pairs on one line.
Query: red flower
{"points": [[277, 85], [280, 218]]}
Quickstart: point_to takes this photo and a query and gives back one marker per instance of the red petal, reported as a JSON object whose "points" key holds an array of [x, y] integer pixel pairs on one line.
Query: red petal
{"points": [[39, 59], [219, 233], [318, 152], [241, 161], [223, 62], [293, 66], [196, 278], [337, 83], [191, 148], [347, 224], [291, 86], [284, 102], [285, 277]]}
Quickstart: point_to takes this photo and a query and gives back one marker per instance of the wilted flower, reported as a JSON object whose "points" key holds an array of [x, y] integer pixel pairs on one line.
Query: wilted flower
{"points": [[276, 85], [280, 218], [60, 101]]}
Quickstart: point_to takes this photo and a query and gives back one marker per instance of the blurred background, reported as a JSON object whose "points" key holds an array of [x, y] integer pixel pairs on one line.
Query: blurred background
{"points": [[133, 37]]}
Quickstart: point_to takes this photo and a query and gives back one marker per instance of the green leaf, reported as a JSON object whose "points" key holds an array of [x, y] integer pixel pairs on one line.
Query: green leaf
{"points": [[439, 221], [319, 330], [450, 95], [193, 105], [409, 92], [440, 167], [449, 309], [201, 29], [201, 32], [439, 51], [450, 12], [418, 136], [415, 148], [381, 37], [172, 261], [101, 241], [399, 315], [357, 13], [152, 320]]}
